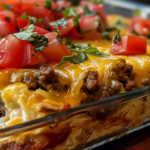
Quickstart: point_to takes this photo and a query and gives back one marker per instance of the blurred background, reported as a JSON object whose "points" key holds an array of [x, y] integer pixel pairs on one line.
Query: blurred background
{"points": [[125, 7]]}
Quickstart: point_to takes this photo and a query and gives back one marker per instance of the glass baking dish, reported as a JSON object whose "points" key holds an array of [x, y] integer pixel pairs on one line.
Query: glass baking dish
{"points": [[86, 126]]}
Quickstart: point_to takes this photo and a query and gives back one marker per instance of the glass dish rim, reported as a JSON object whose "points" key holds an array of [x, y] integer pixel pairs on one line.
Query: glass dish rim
{"points": [[63, 115]]}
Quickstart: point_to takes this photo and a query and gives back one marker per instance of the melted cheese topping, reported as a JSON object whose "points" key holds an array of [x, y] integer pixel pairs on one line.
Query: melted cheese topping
{"points": [[21, 104]]}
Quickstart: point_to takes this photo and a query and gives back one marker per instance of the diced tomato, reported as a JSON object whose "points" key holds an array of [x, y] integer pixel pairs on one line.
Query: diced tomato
{"points": [[57, 15], [37, 11], [63, 4], [8, 16], [11, 51], [93, 7], [6, 28], [12, 2], [133, 21], [30, 58], [86, 23], [47, 20], [22, 22], [79, 11], [39, 30], [64, 31], [139, 26], [22, 6], [55, 50], [41, 3], [53, 5], [142, 27], [130, 45]]}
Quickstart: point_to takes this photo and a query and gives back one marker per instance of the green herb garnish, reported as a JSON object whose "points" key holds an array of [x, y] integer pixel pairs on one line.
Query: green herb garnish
{"points": [[117, 38], [148, 38], [87, 12], [5, 7], [47, 4], [120, 23], [37, 41], [62, 23], [1, 37], [32, 20], [58, 35], [82, 53], [95, 1], [41, 20], [110, 28], [136, 12], [75, 59], [87, 49], [58, 10], [69, 11], [24, 16]]}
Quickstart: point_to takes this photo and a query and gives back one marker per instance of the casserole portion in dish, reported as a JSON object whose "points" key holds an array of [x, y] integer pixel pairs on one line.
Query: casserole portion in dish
{"points": [[58, 94]]}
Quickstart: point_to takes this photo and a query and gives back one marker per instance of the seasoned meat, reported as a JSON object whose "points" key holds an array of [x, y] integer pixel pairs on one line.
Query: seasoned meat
{"points": [[90, 86], [120, 75], [44, 78], [91, 80], [124, 74], [2, 111], [145, 82]]}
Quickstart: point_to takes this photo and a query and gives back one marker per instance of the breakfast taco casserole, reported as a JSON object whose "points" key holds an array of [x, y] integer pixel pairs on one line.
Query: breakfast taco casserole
{"points": [[54, 57]]}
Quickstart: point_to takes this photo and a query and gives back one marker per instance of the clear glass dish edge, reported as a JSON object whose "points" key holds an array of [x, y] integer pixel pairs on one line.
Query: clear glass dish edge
{"points": [[61, 116]]}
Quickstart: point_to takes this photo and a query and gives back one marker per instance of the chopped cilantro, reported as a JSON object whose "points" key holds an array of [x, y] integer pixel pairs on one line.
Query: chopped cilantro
{"points": [[87, 49], [116, 38], [58, 36], [47, 4], [24, 16], [32, 20], [101, 24], [1, 37], [82, 53], [120, 23], [110, 28], [62, 23], [58, 10], [5, 7], [69, 11], [41, 20], [105, 35], [38, 41], [136, 12], [87, 12], [75, 59], [148, 41], [95, 1]]}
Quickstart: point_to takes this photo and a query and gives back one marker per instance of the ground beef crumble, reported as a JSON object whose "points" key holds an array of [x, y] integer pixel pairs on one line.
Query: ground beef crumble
{"points": [[117, 76], [45, 78], [90, 86], [121, 74]]}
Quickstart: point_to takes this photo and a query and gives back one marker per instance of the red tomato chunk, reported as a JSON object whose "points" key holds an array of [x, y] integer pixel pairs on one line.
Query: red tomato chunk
{"points": [[130, 45]]}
